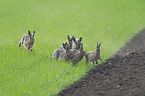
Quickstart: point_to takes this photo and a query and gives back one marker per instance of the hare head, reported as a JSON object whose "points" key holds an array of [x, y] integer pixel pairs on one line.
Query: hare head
{"points": [[81, 49], [70, 41], [32, 37], [67, 54], [77, 42], [66, 47], [78, 54], [98, 48]]}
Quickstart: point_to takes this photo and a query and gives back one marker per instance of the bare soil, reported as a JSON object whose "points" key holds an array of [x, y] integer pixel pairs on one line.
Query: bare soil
{"points": [[122, 75]]}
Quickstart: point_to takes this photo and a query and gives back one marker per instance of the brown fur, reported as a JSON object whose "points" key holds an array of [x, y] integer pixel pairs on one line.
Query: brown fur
{"points": [[76, 43], [62, 53], [67, 54], [77, 55], [27, 41], [94, 56]]}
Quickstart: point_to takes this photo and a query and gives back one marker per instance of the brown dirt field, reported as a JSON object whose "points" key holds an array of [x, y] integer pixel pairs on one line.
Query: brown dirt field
{"points": [[122, 75]]}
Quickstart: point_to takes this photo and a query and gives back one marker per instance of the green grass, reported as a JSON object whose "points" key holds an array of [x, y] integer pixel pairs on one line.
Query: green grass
{"points": [[24, 73]]}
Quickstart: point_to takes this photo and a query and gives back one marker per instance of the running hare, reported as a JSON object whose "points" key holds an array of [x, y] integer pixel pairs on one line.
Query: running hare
{"points": [[76, 44], [27, 40], [93, 56], [78, 55]]}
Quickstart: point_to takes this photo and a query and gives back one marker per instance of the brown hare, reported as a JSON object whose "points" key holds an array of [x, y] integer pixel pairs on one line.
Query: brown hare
{"points": [[77, 56], [67, 55], [62, 53], [76, 44], [27, 40], [58, 53], [93, 56]]}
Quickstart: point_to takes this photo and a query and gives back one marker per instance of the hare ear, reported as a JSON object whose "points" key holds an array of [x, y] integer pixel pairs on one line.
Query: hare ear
{"points": [[97, 44], [74, 39], [81, 46], [33, 33], [100, 44], [80, 39], [63, 45], [68, 37], [29, 33]]}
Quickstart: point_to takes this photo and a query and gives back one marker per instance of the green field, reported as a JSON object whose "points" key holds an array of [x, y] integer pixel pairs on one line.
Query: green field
{"points": [[26, 73]]}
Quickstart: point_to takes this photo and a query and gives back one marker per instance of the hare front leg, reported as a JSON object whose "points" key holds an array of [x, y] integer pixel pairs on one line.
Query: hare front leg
{"points": [[86, 57], [21, 41], [102, 61], [93, 62]]}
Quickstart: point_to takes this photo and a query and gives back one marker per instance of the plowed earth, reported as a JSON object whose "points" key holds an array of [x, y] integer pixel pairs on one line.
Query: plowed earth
{"points": [[122, 75]]}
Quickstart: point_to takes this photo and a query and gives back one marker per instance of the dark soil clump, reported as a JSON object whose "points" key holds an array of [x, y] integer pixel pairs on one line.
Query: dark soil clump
{"points": [[122, 75]]}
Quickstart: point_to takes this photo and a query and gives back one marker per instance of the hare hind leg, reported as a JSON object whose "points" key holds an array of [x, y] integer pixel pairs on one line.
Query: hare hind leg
{"points": [[21, 41], [19, 44], [87, 59], [30, 49], [56, 54], [102, 60]]}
